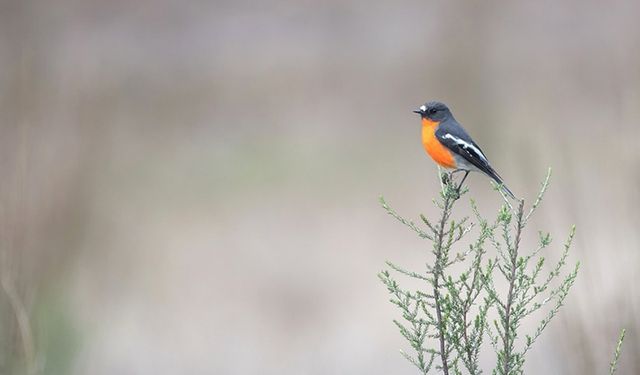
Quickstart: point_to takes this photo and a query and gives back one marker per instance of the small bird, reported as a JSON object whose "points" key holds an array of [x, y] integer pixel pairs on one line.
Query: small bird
{"points": [[450, 146]]}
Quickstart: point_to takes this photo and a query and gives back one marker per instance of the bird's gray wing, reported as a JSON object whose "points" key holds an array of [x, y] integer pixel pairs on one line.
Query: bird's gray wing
{"points": [[456, 139]]}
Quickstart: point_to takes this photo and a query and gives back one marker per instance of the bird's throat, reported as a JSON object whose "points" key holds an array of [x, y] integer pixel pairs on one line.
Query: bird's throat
{"points": [[428, 131]]}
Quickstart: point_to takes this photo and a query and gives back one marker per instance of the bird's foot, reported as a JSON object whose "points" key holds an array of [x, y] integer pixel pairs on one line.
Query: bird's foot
{"points": [[446, 178]]}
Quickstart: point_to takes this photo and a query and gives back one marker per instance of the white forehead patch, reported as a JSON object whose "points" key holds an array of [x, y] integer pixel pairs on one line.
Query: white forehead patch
{"points": [[423, 108]]}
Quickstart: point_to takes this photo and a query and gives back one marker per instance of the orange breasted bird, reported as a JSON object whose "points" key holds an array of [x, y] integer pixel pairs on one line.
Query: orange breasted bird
{"points": [[450, 146]]}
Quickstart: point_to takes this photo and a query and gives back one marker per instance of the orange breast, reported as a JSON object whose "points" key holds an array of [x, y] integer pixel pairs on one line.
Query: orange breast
{"points": [[434, 148]]}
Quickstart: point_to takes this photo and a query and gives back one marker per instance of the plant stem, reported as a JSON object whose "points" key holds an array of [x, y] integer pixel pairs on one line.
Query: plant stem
{"points": [[465, 336], [506, 339], [437, 273], [616, 354], [22, 317], [467, 306]]}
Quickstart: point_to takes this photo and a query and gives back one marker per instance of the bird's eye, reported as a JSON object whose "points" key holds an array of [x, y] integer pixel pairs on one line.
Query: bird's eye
{"points": [[432, 111]]}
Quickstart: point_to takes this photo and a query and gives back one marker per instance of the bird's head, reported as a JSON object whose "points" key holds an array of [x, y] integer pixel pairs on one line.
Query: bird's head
{"points": [[434, 111]]}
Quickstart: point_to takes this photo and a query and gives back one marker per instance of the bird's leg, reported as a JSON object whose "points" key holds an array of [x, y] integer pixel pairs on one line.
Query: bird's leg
{"points": [[448, 177], [463, 178]]}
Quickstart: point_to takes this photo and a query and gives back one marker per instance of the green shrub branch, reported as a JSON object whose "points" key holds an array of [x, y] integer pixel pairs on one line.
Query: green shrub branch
{"points": [[447, 320]]}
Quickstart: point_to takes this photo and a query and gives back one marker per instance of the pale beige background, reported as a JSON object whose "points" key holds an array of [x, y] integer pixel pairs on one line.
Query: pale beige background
{"points": [[191, 187]]}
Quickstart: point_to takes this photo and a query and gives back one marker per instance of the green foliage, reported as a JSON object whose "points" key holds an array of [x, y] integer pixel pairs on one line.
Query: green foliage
{"points": [[616, 354], [460, 308]]}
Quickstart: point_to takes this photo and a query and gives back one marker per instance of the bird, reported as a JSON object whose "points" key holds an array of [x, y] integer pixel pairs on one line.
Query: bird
{"points": [[449, 145]]}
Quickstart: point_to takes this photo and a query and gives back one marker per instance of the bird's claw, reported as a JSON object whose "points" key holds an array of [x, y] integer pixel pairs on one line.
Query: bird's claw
{"points": [[446, 178]]}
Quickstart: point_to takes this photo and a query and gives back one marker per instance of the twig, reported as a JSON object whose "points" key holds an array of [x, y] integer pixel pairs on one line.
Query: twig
{"points": [[507, 345], [438, 274], [22, 317], [616, 354], [543, 190]]}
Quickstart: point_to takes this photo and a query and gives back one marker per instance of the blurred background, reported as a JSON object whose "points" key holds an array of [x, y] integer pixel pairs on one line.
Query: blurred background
{"points": [[191, 187]]}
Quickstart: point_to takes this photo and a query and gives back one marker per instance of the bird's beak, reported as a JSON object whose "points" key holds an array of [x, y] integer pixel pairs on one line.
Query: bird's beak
{"points": [[417, 111]]}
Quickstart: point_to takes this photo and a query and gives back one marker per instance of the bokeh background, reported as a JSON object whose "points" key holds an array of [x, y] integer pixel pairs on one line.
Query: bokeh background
{"points": [[191, 187]]}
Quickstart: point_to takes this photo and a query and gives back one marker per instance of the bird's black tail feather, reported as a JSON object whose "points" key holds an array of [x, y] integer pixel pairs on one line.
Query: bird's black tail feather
{"points": [[496, 177]]}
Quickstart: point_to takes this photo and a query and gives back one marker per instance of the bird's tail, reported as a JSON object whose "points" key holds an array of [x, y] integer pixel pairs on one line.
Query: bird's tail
{"points": [[496, 177]]}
